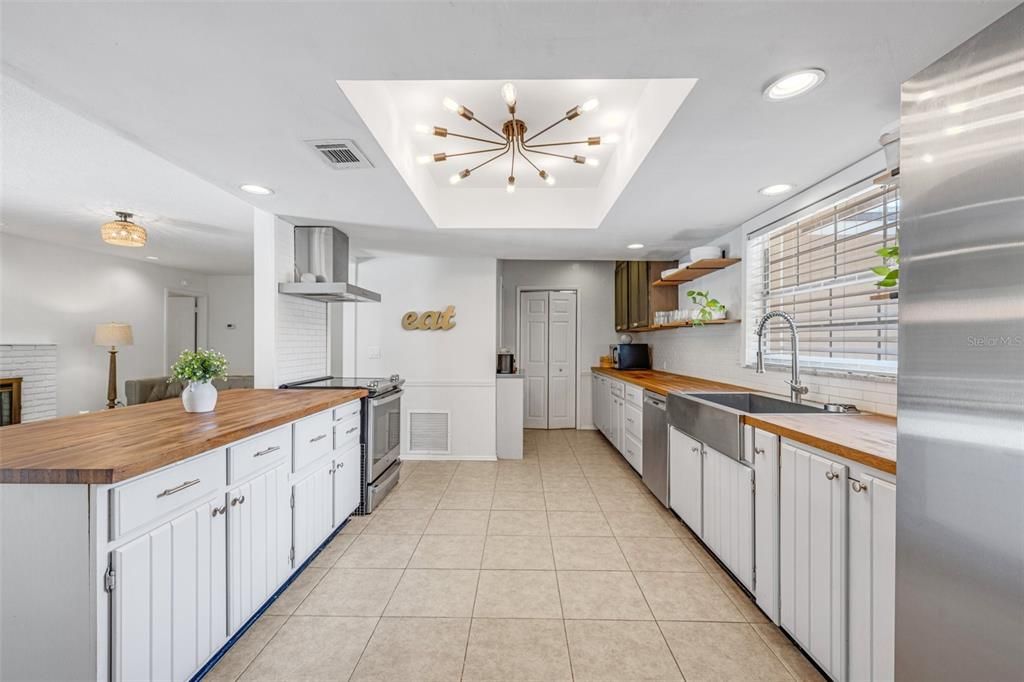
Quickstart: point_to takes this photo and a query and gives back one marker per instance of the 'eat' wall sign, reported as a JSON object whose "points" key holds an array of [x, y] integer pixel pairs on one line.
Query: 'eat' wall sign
{"points": [[431, 320]]}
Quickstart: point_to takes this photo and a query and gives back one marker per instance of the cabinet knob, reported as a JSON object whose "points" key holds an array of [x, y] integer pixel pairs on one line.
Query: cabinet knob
{"points": [[219, 510], [830, 475], [694, 449], [758, 451], [238, 500], [858, 487]]}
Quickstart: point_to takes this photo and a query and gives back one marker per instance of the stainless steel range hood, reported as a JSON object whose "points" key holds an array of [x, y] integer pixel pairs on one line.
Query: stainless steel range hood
{"points": [[323, 253]]}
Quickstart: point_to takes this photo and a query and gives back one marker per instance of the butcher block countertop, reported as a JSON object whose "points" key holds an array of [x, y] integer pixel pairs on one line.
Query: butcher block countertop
{"points": [[869, 439], [115, 445]]}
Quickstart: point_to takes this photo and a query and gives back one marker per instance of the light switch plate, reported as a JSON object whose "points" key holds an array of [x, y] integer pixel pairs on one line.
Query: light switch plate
{"points": [[373, 352]]}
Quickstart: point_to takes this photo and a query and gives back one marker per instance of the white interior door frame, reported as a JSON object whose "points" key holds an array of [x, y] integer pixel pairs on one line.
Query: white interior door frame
{"points": [[575, 289], [202, 318]]}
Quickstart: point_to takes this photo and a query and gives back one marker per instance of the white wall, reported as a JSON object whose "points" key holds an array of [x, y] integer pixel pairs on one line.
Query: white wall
{"points": [[718, 352], [444, 370], [595, 283], [231, 302]]}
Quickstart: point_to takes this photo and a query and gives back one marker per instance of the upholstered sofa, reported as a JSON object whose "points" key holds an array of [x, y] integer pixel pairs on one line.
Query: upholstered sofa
{"points": [[156, 388]]}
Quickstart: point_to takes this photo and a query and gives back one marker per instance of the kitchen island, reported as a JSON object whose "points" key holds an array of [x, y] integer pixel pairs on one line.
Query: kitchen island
{"points": [[138, 541]]}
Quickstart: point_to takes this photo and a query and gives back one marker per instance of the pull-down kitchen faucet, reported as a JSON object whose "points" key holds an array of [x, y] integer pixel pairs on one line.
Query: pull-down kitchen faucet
{"points": [[796, 390]]}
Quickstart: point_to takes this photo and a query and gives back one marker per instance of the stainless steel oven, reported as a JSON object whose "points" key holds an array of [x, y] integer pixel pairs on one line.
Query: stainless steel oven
{"points": [[383, 430]]}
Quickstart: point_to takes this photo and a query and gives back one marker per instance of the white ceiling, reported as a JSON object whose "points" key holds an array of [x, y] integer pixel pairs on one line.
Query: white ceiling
{"points": [[229, 91], [635, 110], [64, 176]]}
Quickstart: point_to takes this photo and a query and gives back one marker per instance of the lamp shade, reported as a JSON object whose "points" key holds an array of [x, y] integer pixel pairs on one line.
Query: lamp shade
{"points": [[113, 334]]}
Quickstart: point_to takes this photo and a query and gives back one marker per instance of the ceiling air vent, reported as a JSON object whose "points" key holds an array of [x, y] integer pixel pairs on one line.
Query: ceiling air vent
{"points": [[340, 154]]}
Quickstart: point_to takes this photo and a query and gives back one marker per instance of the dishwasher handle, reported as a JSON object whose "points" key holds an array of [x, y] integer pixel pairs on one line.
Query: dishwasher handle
{"points": [[654, 401]]}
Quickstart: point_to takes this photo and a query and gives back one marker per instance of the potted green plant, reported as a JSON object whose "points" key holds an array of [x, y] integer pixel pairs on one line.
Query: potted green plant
{"points": [[199, 368], [889, 271], [710, 308]]}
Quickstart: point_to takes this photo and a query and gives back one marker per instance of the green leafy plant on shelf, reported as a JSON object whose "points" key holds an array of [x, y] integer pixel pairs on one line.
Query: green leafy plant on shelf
{"points": [[709, 307], [200, 366], [889, 271]]}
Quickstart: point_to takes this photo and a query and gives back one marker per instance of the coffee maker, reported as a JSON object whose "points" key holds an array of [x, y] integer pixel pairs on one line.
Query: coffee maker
{"points": [[506, 361]]}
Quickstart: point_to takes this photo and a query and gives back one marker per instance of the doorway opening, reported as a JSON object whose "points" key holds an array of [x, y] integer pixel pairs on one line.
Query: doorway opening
{"points": [[185, 323], [547, 358]]}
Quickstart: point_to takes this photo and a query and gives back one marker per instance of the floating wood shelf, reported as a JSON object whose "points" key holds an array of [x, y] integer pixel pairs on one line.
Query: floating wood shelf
{"points": [[694, 270], [885, 296], [677, 325]]}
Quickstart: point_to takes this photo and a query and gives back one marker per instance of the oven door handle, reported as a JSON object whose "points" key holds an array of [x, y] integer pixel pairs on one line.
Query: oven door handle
{"points": [[377, 402]]}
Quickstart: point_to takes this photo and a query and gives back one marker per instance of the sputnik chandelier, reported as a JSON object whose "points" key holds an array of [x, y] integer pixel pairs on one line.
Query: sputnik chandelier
{"points": [[512, 139]]}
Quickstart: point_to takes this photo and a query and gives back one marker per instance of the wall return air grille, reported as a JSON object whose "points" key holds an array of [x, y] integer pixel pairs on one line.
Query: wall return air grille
{"points": [[429, 431], [340, 154]]}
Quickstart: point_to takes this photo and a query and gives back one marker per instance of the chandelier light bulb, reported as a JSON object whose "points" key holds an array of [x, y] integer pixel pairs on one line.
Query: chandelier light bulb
{"points": [[455, 179], [593, 162], [508, 93], [424, 159], [424, 129], [613, 138], [450, 104], [511, 186], [547, 177], [590, 104]]}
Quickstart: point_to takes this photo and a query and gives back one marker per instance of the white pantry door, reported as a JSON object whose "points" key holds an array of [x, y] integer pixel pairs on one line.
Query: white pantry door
{"points": [[533, 356], [547, 357], [562, 360]]}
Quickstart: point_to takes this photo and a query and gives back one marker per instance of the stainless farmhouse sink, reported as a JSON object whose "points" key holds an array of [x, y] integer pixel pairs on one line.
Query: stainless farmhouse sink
{"points": [[716, 419]]}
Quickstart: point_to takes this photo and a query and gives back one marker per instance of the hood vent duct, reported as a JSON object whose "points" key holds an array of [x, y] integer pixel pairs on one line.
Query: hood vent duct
{"points": [[321, 268]]}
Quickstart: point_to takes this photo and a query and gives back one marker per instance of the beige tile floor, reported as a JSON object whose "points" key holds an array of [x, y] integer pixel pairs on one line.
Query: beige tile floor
{"points": [[558, 567]]}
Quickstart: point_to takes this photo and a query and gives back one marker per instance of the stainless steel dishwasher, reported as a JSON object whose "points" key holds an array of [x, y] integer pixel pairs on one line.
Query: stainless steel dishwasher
{"points": [[655, 446]]}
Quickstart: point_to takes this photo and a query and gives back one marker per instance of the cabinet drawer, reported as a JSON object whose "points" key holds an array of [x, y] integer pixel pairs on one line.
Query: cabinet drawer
{"points": [[346, 433], [634, 422], [617, 388], [635, 395], [633, 452], [146, 499], [311, 439], [262, 452], [352, 409]]}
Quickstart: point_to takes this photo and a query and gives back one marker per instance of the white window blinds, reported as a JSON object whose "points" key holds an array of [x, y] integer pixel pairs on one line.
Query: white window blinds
{"points": [[817, 268]]}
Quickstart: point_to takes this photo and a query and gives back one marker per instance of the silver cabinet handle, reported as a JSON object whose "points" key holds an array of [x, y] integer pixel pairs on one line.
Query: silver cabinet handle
{"points": [[830, 475], [273, 448], [238, 500], [219, 510], [179, 488], [341, 465], [858, 487], [694, 449], [758, 451], [354, 428], [316, 438]]}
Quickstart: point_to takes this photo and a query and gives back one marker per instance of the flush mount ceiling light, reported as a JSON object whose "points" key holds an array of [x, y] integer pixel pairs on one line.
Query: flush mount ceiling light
{"points": [[775, 190], [635, 246], [512, 139], [123, 232], [256, 189], [794, 84]]}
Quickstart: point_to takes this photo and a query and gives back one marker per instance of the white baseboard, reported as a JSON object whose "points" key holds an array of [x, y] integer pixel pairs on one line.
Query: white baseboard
{"points": [[447, 457]]}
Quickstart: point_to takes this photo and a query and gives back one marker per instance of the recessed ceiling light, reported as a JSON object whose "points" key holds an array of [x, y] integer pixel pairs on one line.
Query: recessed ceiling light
{"points": [[635, 246], [775, 190], [794, 84], [256, 189], [152, 258]]}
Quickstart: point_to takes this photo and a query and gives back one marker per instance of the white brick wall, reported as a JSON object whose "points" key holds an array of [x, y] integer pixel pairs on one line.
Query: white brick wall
{"points": [[37, 367], [301, 325]]}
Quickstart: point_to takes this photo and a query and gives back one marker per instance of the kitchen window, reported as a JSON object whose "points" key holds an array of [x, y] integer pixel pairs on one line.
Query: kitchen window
{"points": [[817, 268]]}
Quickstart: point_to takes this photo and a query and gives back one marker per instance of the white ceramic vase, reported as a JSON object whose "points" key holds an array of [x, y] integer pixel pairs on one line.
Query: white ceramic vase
{"points": [[199, 396]]}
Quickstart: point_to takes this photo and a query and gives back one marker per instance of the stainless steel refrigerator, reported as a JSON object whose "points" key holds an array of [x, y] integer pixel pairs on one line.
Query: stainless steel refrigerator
{"points": [[960, 491]]}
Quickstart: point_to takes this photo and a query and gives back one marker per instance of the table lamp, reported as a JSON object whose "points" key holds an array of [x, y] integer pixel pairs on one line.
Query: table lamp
{"points": [[113, 334]]}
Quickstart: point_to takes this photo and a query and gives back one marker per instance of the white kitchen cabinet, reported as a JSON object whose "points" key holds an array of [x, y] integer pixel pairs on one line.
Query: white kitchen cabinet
{"points": [[599, 403], [312, 510], [618, 432], [259, 541], [633, 452], [685, 478], [872, 578], [728, 513], [812, 559], [168, 613], [346, 484], [764, 454], [633, 421]]}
